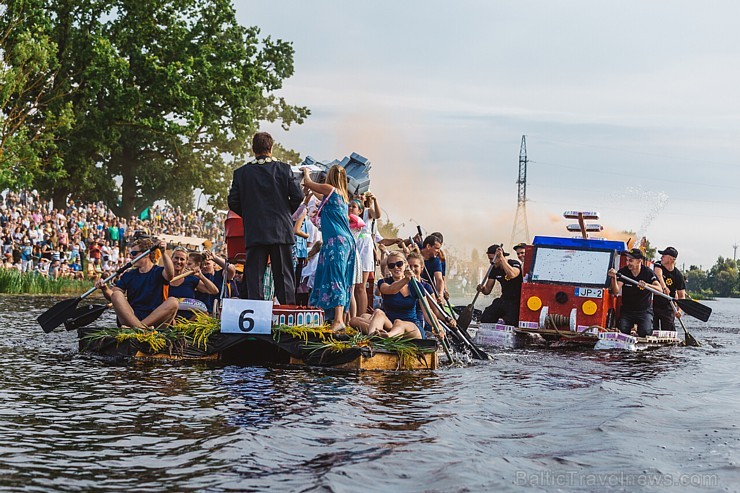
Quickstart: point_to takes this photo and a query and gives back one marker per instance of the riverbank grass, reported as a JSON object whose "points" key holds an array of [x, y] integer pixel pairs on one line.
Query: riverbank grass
{"points": [[15, 282]]}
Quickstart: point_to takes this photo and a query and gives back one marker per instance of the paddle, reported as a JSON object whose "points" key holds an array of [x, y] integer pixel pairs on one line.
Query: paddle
{"points": [[59, 313], [435, 328], [688, 339], [184, 274], [475, 351], [85, 315], [691, 307], [460, 335], [463, 321]]}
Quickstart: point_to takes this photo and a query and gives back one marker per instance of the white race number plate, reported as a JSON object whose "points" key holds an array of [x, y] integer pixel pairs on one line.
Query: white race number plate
{"points": [[246, 316]]}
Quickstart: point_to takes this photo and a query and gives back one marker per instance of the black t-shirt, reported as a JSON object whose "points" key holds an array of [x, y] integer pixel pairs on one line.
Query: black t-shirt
{"points": [[511, 289], [674, 280], [635, 299]]}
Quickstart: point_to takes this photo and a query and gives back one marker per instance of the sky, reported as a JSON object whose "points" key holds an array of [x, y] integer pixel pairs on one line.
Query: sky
{"points": [[629, 108]]}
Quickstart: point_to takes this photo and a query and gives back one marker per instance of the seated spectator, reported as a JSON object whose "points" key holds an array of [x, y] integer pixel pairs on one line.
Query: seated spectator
{"points": [[399, 314]]}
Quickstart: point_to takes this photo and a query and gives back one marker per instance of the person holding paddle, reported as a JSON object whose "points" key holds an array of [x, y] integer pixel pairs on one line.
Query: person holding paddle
{"points": [[433, 269], [673, 284], [636, 300], [138, 296], [400, 315], [509, 274]]}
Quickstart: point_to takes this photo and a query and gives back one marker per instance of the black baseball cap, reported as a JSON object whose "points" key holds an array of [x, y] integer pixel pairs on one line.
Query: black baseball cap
{"points": [[634, 253], [520, 245], [669, 251], [492, 249]]}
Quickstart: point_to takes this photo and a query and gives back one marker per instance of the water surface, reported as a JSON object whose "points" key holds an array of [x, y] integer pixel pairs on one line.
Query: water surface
{"points": [[664, 420]]}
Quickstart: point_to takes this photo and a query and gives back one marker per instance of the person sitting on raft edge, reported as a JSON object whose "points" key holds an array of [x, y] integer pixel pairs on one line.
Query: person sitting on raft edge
{"points": [[138, 295]]}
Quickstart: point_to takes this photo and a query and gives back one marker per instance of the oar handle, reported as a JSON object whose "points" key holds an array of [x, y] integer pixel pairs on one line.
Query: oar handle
{"points": [[647, 286], [488, 273], [432, 320], [182, 276], [118, 272]]}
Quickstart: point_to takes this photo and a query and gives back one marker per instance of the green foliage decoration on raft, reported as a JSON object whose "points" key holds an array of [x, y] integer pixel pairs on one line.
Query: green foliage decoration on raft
{"points": [[174, 338], [198, 330], [407, 351], [158, 339]]}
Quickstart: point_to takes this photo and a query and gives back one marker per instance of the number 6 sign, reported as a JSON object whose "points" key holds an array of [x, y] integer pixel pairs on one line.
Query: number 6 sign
{"points": [[246, 316]]}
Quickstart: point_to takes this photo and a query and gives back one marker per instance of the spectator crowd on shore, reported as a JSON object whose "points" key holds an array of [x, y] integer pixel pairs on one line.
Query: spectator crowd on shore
{"points": [[86, 240]]}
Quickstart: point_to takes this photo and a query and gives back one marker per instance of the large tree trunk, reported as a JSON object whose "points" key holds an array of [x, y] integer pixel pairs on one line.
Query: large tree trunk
{"points": [[128, 185], [60, 196]]}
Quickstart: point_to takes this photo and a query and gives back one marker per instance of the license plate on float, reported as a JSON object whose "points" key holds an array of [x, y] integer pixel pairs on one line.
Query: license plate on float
{"points": [[589, 292]]}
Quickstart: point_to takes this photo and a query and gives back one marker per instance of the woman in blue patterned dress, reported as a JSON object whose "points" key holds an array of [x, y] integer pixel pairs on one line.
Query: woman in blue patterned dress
{"points": [[332, 289]]}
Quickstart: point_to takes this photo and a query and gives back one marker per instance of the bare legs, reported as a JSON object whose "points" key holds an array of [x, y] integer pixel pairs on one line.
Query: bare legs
{"points": [[164, 312], [338, 322], [361, 294], [379, 324]]}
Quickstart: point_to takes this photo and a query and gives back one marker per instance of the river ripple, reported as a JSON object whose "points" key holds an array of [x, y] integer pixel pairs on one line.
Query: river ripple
{"points": [[664, 420]]}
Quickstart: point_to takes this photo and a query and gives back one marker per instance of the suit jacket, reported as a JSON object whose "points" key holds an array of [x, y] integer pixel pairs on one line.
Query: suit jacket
{"points": [[265, 196]]}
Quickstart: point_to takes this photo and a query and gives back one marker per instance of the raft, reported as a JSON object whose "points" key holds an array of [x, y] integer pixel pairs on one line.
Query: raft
{"points": [[566, 300], [250, 350], [310, 344], [501, 335]]}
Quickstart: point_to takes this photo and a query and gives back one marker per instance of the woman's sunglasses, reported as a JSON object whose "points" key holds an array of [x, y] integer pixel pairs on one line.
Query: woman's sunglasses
{"points": [[393, 265]]}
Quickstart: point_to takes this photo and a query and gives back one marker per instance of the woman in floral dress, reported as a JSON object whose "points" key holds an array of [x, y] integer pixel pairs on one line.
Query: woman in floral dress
{"points": [[332, 289]]}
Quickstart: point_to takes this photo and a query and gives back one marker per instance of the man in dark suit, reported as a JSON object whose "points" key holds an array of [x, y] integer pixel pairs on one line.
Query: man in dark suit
{"points": [[265, 194]]}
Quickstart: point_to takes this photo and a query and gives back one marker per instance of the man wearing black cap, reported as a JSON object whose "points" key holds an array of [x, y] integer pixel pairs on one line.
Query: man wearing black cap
{"points": [[520, 249], [636, 300], [673, 284], [509, 274]]}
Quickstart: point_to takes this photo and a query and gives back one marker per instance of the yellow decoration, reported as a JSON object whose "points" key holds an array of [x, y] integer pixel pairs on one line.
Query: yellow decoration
{"points": [[589, 307], [534, 303]]}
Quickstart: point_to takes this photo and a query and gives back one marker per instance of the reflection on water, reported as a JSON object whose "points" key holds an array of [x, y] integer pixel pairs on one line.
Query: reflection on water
{"points": [[73, 422]]}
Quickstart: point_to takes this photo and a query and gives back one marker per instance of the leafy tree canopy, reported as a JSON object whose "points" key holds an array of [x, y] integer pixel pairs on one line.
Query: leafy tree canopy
{"points": [[164, 96]]}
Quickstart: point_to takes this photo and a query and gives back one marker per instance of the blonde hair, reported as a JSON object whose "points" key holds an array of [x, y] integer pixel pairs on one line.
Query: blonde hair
{"points": [[337, 177], [396, 253]]}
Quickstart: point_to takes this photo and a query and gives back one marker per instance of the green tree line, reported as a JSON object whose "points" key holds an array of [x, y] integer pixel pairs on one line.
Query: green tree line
{"points": [[133, 101], [721, 280]]}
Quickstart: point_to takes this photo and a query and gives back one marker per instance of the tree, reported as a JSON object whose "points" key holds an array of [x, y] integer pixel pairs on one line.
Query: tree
{"points": [[286, 155], [723, 277], [27, 71], [166, 95], [696, 280]]}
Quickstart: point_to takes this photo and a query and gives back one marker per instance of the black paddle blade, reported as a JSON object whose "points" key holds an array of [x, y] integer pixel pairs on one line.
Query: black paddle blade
{"points": [[695, 309], [84, 315], [463, 321], [689, 340], [57, 314]]}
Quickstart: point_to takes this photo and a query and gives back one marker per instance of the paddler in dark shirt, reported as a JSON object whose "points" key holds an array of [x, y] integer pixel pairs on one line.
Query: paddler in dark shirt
{"points": [[636, 300], [138, 296], [673, 284], [508, 272]]}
